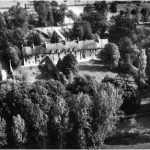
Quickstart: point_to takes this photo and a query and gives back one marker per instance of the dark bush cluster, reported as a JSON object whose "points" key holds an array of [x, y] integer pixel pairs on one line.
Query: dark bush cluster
{"points": [[46, 114]]}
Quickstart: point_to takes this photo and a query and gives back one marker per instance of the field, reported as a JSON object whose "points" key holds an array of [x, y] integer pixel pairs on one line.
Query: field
{"points": [[96, 69]]}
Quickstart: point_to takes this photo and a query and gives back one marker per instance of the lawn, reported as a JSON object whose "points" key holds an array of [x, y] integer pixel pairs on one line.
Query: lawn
{"points": [[95, 68]]}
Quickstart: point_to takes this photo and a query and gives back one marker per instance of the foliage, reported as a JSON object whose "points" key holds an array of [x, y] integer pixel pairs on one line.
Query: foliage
{"points": [[142, 66], [89, 8], [54, 38], [87, 85], [106, 105], [126, 46], [97, 20], [69, 64], [18, 15], [13, 55], [101, 7], [131, 99], [111, 55], [72, 15], [80, 116], [122, 27], [113, 7], [145, 13], [46, 115], [82, 30], [133, 12], [45, 13], [16, 37], [58, 125], [2, 22], [33, 38], [19, 130], [3, 135]]}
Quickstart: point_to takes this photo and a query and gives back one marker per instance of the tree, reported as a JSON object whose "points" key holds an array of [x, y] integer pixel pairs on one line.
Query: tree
{"points": [[122, 27], [33, 38], [113, 7], [54, 38], [127, 84], [106, 106], [88, 8], [54, 4], [19, 16], [145, 12], [133, 12], [78, 31], [80, 116], [19, 130], [87, 30], [111, 55], [16, 37], [69, 64], [63, 7], [13, 55], [142, 66], [86, 85], [3, 133], [45, 13], [125, 45], [2, 22], [72, 15], [101, 7]]}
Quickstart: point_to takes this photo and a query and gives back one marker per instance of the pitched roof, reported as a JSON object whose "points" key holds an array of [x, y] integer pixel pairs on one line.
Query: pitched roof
{"points": [[59, 47]]}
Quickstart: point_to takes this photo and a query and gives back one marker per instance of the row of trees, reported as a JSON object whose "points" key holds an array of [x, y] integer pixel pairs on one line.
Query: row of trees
{"points": [[48, 114]]}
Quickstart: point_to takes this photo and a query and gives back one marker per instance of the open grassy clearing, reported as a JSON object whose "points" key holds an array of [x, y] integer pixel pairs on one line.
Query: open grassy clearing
{"points": [[95, 68]]}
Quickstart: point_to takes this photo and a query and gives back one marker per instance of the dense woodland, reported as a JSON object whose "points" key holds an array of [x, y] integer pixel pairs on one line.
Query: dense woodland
{"points": [[71, 111]]}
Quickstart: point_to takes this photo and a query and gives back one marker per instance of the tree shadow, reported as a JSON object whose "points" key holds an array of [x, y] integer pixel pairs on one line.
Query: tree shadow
{"points": [[129, 140], [96, 65]]}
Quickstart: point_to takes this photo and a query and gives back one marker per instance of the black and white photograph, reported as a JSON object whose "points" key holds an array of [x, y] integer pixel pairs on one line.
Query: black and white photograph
{"points": [[74, 74]]}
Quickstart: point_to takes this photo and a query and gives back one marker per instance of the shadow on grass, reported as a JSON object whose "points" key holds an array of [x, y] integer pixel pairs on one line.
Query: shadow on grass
{"points": [[129, 140], [96, 65], [93, 68]]}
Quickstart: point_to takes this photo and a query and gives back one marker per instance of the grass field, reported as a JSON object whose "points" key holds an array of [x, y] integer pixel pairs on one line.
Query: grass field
{"points": [[95, 68]]}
